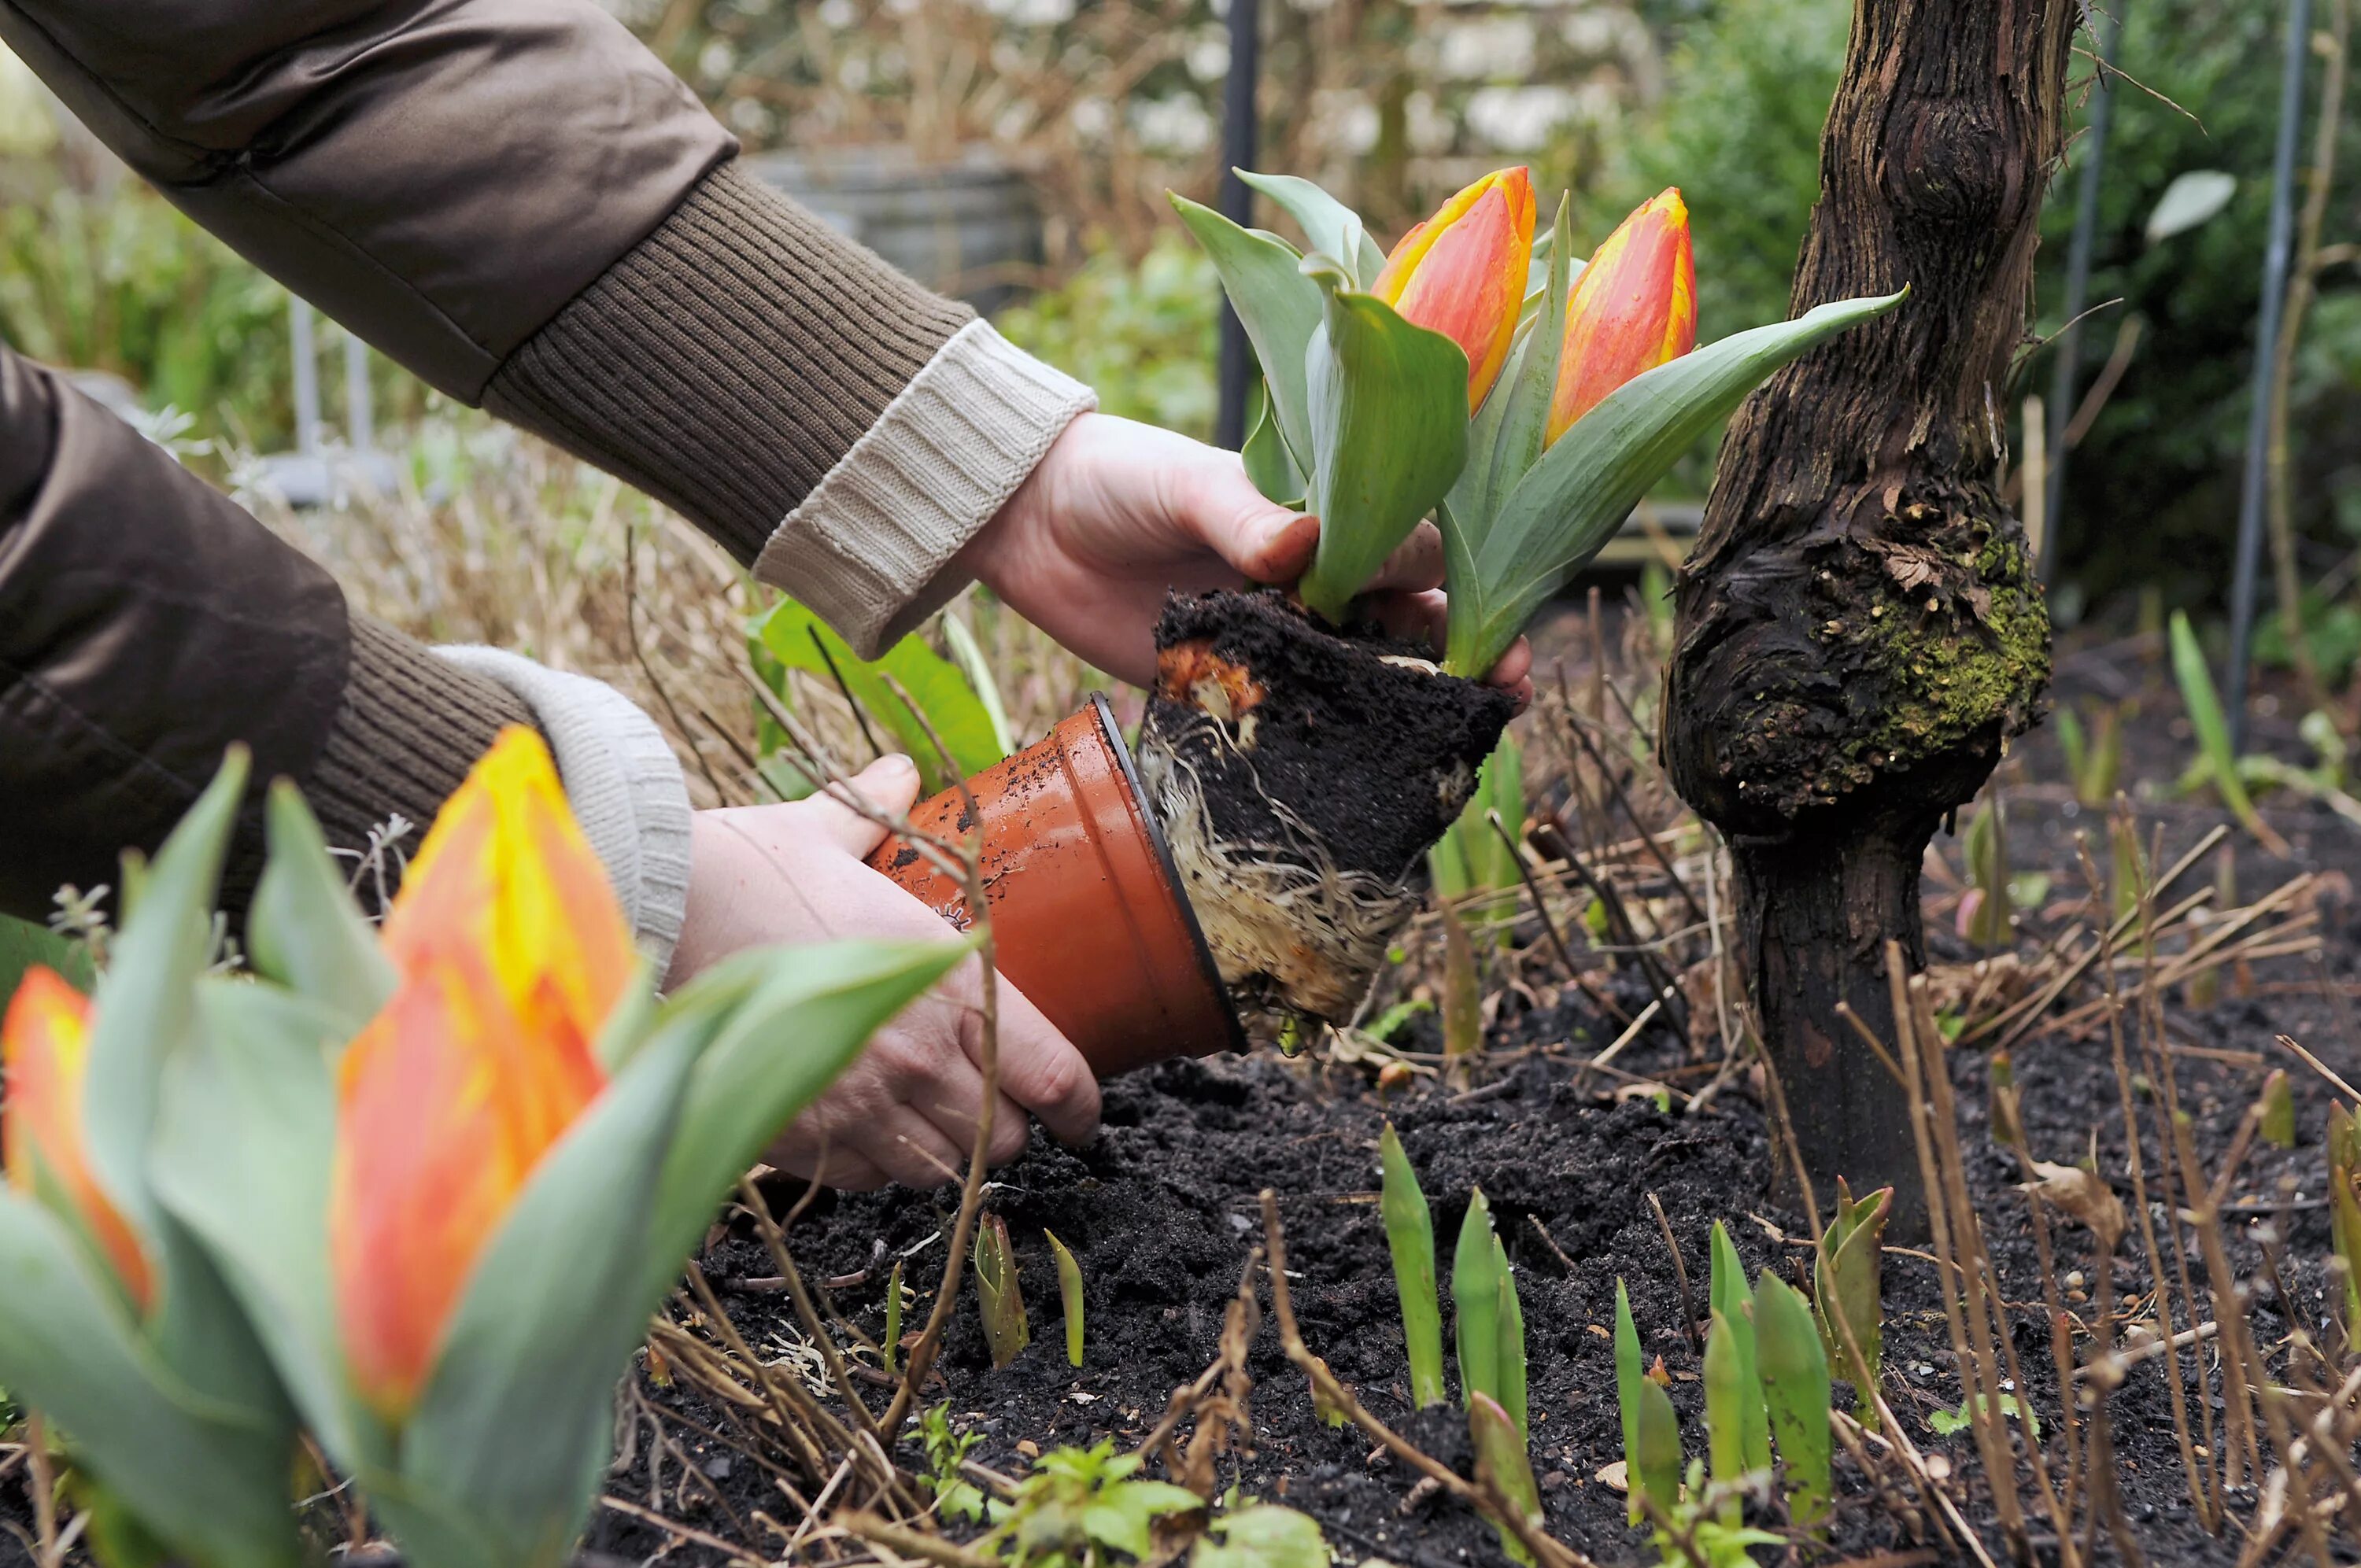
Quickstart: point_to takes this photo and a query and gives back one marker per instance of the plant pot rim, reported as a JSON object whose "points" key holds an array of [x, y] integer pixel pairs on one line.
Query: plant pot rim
{"points": [[1155, 831]]}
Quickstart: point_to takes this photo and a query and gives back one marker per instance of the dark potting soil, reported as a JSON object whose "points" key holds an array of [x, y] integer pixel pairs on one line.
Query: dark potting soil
{"points": [[1161, 1211], [1374, 760]]}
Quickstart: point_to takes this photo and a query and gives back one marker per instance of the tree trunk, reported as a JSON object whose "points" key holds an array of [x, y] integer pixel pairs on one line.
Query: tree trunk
{"points": [[1858, 631]]}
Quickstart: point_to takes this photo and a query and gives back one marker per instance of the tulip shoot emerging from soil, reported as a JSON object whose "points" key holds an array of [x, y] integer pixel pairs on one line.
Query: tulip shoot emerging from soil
{"points": [[2278, 1117], [1847, 1271], [1502, 1463], [2344, 1208], [1629, 1375], [1795, 1373], [1727, 1294], [1487, 1319], [1070, 1296], [1000, 1302], [1409, 1237]]}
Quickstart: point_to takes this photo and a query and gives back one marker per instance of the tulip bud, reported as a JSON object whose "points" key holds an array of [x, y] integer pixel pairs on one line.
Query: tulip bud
{"points": [[1633, 308], [511, 952], [1462, 272], [45, 1053]]}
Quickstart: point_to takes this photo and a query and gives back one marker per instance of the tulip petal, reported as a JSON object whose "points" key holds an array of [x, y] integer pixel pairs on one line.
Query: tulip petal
{"points": [[45, 1053], [1463, 272], [1633, 308], [506, 867]]}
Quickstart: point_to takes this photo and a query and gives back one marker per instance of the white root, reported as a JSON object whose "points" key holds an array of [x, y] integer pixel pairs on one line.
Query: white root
{"points": [[1289, 931]]}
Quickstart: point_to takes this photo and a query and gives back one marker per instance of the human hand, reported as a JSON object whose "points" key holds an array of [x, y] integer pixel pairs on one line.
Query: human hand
{"points": [[1118, 512], [906, 1110]]}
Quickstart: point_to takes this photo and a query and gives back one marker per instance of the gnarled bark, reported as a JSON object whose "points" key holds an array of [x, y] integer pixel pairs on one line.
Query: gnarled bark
{"points": [[1858, 631]]}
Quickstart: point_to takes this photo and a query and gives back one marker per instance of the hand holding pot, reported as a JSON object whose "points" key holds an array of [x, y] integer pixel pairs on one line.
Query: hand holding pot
{"points": [[1119, 513], [906, 1111]]}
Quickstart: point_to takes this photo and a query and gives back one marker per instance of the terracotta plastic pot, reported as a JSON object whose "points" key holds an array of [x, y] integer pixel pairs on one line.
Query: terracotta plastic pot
{"points": [[1086, 908]]}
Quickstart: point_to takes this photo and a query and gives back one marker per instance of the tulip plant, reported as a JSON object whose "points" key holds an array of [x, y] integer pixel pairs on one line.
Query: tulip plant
{"points": [[418, 1191], [1526, 401]]}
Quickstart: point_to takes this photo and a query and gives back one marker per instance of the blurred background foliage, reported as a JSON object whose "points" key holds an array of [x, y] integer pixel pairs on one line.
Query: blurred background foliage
{"points": [[1105, 104]]}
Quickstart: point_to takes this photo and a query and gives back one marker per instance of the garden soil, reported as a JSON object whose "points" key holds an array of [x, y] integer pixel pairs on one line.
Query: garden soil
{"points": [[1161, 1211]]}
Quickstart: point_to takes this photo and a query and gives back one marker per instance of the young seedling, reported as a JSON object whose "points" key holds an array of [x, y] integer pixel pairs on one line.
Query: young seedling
{"points": [[1410, 1236], [1463, 997], [1730, 1389], [1489, 1321], [1476, 1302], [2094, 756], [1471, 857], [2007, 1124], [1631, 1371], [999, 1300], [1795, 1372], [1845, 1286], [1501, 1461], [1726, 1293], [2279, 1110], [1984, 909], [1070, 1296], [892, 1345], [2216, 763], [2344, 1208]]}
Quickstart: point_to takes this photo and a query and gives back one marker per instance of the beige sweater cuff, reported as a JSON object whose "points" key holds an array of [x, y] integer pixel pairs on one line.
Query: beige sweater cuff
{"points": [[868, 549]]}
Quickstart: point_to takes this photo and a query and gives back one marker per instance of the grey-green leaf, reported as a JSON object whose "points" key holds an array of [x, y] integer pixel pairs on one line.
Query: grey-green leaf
{"points": [[303, 930], [1334, 228], [1571, 501], [1279, 306], [1795, 1372], [1389, 413], [1409, 1237]]}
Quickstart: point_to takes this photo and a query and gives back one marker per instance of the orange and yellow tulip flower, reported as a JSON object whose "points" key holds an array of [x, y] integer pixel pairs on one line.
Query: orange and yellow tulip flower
{"points": [[1462, 272], [511, 952], [1633, 308], [45, 1053]]}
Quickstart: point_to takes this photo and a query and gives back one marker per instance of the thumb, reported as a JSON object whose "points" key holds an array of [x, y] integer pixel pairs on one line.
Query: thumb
{"points": [[1266, 541], [889, 785]]}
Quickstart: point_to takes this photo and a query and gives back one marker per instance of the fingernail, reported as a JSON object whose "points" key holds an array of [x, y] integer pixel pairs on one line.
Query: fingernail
{"points": [[899, 762]]}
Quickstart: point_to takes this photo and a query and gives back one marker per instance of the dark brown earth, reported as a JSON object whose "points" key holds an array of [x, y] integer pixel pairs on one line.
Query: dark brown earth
{"points": [[1161, 1210], [1357, 753]]}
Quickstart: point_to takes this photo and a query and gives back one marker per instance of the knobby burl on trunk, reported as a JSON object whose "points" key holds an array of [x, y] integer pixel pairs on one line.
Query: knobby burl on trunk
{"points": [[1858, 631]]}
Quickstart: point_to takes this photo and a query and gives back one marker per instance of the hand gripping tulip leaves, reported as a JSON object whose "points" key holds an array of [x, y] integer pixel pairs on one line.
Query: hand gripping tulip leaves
{"points": [[1525, 400], [416, 1192]]}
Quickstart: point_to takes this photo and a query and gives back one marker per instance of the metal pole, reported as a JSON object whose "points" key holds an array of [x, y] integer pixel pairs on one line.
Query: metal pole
{"points": [[2068, 369], [306, 352], [1238, 127], [2277, 254]]}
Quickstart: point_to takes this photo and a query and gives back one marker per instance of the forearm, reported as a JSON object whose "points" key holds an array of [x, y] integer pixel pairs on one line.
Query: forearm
{"points": [[519, 202], [148, 624]]}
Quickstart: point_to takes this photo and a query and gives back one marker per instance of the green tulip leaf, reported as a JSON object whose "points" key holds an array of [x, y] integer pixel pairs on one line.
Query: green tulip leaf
{"points": [[1269, 463], [1795, 1372], [1631, 1371], [1727, 1294], [144, 1003], [808, 1013], [208, 1479], [304, 931], [1572, 501], [1388, 408], [1475, 1301], [1278, 306], [1335, 229], [243, 1151], [952, 712], [1410, 1238]]}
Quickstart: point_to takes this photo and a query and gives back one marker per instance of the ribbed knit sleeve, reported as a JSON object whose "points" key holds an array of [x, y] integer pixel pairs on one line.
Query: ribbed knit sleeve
{"points": [[408, 728], [834, 425], [729, 360]]}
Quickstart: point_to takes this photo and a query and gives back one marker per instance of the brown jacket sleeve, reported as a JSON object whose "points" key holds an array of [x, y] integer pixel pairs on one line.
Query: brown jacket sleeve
{"points": [[124, 672]]}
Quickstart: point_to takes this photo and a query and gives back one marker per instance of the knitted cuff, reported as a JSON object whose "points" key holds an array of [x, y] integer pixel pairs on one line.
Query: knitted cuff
{"points": [[866, 549], [728, 361], [408, 730], [621, 780]]}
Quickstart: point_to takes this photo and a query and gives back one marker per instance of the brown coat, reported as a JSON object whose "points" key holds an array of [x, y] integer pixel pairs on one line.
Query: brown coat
{"points": [[516, 200]]}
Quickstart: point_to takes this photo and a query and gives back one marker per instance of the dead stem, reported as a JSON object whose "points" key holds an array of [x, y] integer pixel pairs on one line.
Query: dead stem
{"points": [[2199, 1487], [1680, 1275]]}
